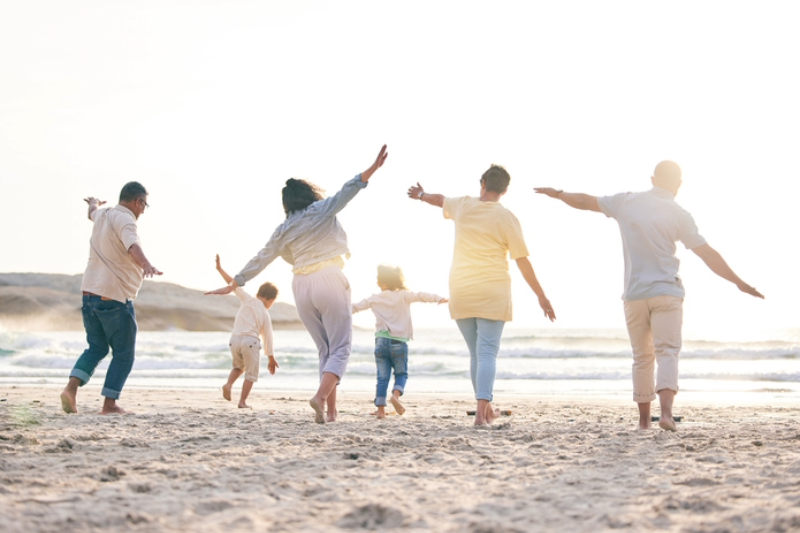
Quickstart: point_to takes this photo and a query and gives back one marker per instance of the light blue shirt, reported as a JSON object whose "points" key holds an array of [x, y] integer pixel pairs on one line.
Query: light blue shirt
{"points": [[651, 222], [308, 236]]}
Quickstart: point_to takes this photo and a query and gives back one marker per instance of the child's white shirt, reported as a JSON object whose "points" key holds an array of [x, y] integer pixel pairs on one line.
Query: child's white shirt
{"points": [[392, 310], [253, 320]]}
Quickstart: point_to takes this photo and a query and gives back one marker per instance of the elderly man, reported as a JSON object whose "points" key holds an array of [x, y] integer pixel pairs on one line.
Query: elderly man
{"points": [[651, 222], [112, 279]]}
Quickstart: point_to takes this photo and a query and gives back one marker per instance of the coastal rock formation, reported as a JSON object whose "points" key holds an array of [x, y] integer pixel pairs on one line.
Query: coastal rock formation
{"points": [[52, 302]]}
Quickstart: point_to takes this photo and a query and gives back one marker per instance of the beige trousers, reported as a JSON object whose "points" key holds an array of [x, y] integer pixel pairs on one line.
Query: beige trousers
{"points": [[654, 327]]}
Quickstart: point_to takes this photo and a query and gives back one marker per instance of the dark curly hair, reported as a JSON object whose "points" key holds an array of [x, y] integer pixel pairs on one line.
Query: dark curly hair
{"points": [[299, 194]]}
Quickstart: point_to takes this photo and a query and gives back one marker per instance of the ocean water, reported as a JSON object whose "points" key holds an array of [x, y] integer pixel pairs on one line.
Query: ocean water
{"points": [[574, 362]]}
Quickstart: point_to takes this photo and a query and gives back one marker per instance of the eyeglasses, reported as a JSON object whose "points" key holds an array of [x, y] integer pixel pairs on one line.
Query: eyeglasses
{"points": [[145, 202]]}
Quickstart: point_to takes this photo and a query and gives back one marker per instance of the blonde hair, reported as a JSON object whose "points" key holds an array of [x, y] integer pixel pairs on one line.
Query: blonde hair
{"points": [[391, 278]]}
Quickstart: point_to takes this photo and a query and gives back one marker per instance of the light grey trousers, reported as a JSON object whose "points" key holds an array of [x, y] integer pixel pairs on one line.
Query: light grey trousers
{"points": [[323, 303]]}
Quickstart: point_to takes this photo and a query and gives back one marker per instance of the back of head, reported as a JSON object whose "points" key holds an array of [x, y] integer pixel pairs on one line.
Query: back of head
{"points": [[132, 191], [391, 278], [299, 194], [268, 291], [496, 179], [667, 175]]}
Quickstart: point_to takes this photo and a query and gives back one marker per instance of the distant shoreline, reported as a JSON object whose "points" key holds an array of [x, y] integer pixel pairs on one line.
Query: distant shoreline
{"points": [[51, 302]]}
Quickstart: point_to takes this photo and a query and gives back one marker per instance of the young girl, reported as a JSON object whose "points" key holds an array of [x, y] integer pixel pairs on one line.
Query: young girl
{"points": [[393, 330]]}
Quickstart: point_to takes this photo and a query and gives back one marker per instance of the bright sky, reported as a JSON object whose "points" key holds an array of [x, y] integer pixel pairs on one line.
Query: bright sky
{"points": [[212, 105]]}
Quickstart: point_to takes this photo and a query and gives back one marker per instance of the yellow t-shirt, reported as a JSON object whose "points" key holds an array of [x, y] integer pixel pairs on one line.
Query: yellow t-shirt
{"points": [[486, 233]]}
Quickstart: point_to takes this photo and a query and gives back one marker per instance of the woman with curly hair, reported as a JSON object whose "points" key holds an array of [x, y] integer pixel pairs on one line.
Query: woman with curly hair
{"points": [[313, 242]]}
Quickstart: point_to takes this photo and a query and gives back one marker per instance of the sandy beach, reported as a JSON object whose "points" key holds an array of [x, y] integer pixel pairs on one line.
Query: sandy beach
{"points": [[190, 461]]}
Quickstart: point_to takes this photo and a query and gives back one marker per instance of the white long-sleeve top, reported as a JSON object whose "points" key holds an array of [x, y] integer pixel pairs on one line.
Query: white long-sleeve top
{"points": [[392, 310]]}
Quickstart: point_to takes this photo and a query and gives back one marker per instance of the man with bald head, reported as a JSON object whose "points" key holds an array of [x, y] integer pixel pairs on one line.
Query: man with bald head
{"points": [[651, 222]]}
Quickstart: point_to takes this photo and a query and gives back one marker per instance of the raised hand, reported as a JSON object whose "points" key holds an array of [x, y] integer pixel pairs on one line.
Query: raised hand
{"points": [[382, 155], [227, 289], [91, 200], [414, 191], [547, 191]]}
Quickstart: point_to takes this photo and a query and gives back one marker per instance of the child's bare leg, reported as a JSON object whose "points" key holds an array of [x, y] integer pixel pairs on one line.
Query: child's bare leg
{"points": [[395, 399], [232, 377], [69, 395], [381, 411], [327, 385], [247, 386], [332, 412]]}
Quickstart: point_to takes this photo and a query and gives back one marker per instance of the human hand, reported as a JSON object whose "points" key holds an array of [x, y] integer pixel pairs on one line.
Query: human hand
{"points": [[548, 191], [544, 303], [382, 155], [216, 259], [443, 301], [91, 200], [150, 271], [415, 191], [227, 289], [273, 365], [745, 288]]}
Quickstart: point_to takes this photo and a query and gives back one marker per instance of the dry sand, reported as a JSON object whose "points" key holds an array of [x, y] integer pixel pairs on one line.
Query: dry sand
{"points": [[189, 461]]}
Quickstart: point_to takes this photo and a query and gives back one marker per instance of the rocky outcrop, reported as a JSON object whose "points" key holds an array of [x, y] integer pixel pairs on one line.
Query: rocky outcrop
{"points": [[52, 302]]}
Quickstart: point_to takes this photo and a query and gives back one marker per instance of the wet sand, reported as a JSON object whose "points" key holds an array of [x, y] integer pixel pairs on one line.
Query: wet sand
{"points": [[190, 461]]}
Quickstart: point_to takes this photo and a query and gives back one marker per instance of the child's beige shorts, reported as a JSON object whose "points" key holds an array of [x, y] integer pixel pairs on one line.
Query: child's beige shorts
{"points": [[245, 352]]}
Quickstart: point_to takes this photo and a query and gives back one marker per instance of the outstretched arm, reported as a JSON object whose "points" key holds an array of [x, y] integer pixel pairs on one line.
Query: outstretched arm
{"points": [[577, 200], [222, 272], [94, 204], [137, 254], [415, 192], [525, 267], [382, 155], [718, 266]]}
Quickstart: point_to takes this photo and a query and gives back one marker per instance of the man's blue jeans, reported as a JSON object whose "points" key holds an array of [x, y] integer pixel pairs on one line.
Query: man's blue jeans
{"points": [[108, 323], [390, 354], [483, 341]]}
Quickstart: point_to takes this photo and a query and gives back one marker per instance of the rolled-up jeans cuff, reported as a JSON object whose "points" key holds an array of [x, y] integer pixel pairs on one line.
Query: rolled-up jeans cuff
{"points": [[81, 375], [380, 402], [108, 393], [396, 388]]}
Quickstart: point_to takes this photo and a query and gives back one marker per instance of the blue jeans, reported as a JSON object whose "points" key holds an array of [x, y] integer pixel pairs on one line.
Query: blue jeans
{"points": [[483, 341], [108, 323], [390, 354]]}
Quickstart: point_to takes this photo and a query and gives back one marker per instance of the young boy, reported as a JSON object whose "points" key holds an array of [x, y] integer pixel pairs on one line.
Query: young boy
{"points": [[393, 330], [252, 320]]}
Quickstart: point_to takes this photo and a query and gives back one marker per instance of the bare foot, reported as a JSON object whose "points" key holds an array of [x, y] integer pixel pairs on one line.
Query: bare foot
{"points": [[114, 410], [397, 405], [319, 413], [243, 405], [226, 391], [381, 412], [667, 424], [332, 416], [68, 402]]}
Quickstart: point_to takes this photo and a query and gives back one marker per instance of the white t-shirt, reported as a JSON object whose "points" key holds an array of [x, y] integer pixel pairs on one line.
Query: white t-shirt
{"points": [[253, 320], [651, 222]]}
